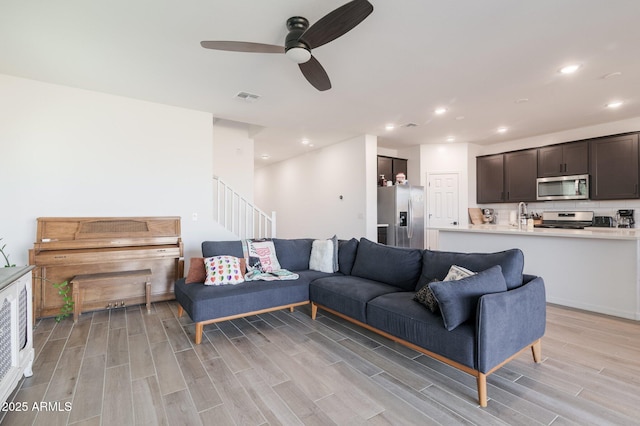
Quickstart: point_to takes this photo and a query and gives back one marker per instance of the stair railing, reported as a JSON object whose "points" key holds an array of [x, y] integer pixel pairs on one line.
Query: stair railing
{"points": [[239, 216]]}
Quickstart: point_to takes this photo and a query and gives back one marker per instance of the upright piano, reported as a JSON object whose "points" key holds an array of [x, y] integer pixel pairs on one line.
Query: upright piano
{"points": [[69, 246]]}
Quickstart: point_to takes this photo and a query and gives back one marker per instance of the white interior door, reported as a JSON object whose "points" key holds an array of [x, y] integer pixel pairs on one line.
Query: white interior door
{"points": [[442, 209]]}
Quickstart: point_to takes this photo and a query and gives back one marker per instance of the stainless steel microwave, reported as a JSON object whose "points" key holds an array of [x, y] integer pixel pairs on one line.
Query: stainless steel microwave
{"points": [[574, 187]]}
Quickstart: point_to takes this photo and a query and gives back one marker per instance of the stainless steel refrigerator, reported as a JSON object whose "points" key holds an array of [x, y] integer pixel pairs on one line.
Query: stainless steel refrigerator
{"points": [[401, 207]]}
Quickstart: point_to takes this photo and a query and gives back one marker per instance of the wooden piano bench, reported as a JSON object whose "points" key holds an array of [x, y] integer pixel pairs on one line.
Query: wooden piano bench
{"points": [[123, 287]]}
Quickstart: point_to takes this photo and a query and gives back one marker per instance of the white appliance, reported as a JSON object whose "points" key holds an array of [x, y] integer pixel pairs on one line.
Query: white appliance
{"points": [[16, 331], [574, 187], [401, 207]]}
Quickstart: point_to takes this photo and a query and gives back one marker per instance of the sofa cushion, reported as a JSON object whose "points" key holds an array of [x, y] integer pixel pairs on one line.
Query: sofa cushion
{"points": [[293, 254], [399, 267], [436, 264], [347, 294], [347, 250], [458, 300], [221, 248], [397, 314]]}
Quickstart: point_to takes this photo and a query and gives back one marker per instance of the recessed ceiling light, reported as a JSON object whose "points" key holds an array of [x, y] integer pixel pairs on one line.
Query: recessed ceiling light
{"points": [[265, 156], [614, 104], [451, 139], [522, 100], [440, 110], [305, 142], [389, 127], [502, 130], [569, 69]]}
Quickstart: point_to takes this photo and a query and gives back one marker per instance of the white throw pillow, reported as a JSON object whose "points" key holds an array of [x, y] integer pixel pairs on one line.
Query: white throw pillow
{"points": [[457, 273], [322, 256]]}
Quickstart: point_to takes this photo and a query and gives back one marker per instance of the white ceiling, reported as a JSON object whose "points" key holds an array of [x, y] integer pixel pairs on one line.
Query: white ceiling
{"points": [[477, 58]]}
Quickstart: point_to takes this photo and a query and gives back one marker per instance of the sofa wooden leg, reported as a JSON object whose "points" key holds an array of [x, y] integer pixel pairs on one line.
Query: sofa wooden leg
{"points": [[314, 310], [199, 330], [180, 311], [291, 309], [536, 350], [482, 389]]}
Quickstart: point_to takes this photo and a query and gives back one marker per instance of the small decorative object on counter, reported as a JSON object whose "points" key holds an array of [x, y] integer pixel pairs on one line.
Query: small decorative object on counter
{"points": [[382, 181], [401, 179]]}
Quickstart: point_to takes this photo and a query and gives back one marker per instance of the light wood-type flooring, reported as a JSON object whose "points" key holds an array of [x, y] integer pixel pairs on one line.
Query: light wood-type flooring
{"points": [[127, 367]]}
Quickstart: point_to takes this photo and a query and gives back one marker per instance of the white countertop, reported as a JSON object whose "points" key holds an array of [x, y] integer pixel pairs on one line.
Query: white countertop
{"points": [[589, 232]]}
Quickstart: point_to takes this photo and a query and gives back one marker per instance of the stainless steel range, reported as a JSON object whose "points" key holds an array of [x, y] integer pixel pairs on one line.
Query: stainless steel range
{"points": [[566, 220]]}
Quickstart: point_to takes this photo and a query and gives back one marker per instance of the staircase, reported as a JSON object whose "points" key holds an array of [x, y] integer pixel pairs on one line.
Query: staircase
{"points": [[239, 216]]}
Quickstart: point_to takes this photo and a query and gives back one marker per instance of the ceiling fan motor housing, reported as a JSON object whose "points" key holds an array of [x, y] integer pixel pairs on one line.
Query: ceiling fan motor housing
{"points": [[296, 49]]}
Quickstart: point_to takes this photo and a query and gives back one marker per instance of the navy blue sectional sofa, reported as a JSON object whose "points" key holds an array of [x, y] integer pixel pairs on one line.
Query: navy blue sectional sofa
{"points": [[482, 321]]}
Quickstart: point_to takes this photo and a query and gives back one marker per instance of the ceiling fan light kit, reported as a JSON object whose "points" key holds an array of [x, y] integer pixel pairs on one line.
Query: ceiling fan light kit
{"points": [[301, 39]]}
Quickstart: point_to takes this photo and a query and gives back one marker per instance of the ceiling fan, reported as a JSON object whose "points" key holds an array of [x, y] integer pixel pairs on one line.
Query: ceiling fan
{"points": [[302, 38]]}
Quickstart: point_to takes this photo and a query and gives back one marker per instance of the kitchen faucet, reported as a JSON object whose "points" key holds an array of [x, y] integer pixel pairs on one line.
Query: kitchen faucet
{"points": [[522, 215]]}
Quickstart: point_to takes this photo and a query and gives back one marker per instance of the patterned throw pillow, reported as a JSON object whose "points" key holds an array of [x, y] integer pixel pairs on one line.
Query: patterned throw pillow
{"points": [[223, 270], [425, 295], [265, 252]]}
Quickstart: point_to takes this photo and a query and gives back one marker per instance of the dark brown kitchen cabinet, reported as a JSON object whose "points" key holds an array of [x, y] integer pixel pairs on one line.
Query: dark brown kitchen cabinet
{"points": [[613, 165], [390, 167], [490, 179], [385, 167], [520, 172], [564, 159]]}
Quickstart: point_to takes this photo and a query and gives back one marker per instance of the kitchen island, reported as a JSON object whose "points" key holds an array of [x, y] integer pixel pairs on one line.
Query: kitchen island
{"points": [[596, 269]]}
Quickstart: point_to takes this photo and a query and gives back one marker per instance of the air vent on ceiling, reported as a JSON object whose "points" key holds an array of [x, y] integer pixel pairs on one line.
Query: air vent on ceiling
{"points": [[409, 125], [247, 97]]}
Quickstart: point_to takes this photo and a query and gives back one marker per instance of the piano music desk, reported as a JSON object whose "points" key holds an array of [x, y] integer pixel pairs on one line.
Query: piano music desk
{"points": [[118, 286]]}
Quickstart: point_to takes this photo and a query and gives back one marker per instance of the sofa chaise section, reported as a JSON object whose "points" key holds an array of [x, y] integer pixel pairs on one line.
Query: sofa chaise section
{"points": [[207, 304]]}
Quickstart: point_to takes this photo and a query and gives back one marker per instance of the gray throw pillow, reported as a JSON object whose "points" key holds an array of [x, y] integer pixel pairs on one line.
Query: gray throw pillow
{"points": [[425, 295], [458, 300]]}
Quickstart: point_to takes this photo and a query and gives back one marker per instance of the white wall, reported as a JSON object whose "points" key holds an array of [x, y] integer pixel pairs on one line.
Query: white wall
{"points": [[305, 191], [449, 158], [71, 152], [233, 156]]}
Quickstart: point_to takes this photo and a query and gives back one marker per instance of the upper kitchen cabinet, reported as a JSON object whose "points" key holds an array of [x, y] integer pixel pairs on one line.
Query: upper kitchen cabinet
{"points": [[390, 167], [564, 159], [490, 179], [385, 167], [520, 172], [613, 165]]}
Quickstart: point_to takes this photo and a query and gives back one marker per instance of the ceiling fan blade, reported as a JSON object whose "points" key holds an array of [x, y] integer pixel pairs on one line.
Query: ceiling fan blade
{"points": [[315, 74], [337, 23], [242, 46]]}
